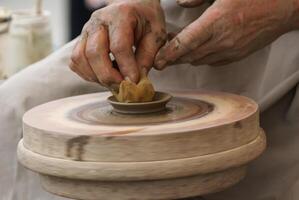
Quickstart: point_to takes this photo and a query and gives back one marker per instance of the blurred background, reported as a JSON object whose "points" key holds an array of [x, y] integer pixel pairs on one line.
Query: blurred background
{"points": [[67, 16], [30, 30]]}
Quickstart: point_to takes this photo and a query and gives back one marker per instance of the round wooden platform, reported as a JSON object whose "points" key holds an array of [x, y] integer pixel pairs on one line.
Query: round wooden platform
{"points": [[200, 144]]}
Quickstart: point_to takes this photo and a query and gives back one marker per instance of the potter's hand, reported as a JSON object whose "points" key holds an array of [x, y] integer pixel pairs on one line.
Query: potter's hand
{"points": [[116, 28], [228, 31]]}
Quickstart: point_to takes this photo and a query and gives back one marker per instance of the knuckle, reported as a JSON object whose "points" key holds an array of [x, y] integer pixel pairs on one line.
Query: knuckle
{"points": [[94, 22], [96, 13], [92, 51], [76, 56], [118, 48]]}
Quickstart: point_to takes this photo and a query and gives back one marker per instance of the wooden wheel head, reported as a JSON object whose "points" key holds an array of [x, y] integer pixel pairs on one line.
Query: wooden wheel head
{"points": [[199, 135]]}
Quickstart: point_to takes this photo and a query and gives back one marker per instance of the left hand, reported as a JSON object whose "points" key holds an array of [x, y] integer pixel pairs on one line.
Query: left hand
{"points": [[228, 31]]}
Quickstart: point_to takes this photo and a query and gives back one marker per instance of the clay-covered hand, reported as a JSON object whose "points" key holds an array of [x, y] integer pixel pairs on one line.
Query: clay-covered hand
{"points": [[115, 29], [228, 31]]}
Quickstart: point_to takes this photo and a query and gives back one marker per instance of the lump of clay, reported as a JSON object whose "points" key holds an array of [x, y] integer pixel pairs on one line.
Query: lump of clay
{"points": [[129, 92]]}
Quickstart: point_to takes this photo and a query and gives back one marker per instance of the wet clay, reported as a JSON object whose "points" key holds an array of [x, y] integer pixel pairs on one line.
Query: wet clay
{"points": [[130, 92]]}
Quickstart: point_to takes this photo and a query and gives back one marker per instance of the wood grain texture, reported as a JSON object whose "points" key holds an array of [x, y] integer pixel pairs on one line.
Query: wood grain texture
{"points": [[151, 170], [53, 130], [144, 190]]}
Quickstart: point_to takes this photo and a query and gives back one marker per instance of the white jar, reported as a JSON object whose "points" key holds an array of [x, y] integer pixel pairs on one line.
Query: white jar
{"points": [[5, 17], [30, 39]]}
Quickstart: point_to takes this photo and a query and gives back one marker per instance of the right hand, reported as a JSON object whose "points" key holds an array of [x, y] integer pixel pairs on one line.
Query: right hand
{"points": [[116, 28], [229, 31]]}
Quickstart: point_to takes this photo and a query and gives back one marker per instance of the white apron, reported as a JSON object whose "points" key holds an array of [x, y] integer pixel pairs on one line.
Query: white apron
{"points": [[270, 76]]}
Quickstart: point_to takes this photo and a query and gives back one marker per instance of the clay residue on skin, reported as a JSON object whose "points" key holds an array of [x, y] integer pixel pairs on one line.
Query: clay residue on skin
{"points": [[177, 44], [148, 27], [161, 38], [75, 147]]}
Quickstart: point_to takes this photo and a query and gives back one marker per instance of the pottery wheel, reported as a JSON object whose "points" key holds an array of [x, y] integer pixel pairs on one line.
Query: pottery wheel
{"points": [[200, 144], [178, 110]]}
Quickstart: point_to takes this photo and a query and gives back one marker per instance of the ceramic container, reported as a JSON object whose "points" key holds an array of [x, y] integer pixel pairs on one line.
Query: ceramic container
{"points": [[30, 39]]}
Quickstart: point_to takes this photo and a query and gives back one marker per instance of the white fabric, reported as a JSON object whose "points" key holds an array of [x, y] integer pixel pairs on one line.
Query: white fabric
{"points": [[270, 76]]}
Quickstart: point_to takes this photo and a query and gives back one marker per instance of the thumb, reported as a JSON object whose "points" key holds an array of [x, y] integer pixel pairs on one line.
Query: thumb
{"points": [[190, 3]]}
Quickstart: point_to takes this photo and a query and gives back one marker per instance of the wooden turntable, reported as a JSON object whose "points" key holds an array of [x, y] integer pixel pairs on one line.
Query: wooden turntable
{"points": [[82, 149]]}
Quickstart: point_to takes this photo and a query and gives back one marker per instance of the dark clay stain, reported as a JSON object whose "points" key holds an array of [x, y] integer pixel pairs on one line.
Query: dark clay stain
{"points": [[148, 27], [160, 40], [109, 137], [161, 37], [238, 125], [75, 147]]}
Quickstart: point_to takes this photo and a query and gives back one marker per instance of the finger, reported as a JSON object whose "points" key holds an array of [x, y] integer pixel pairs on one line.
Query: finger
{"points": [[227, 61], [207, 48], [74, 68], [215, 58], [97, 52], [187, 40], [148, 48], [79, 60], [121, 43], [190, 3]]}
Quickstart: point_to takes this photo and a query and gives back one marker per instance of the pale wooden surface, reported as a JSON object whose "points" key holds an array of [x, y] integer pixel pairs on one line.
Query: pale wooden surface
{"points": [[85, 151], [54, 130], [151, 170], [144, 190]]}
